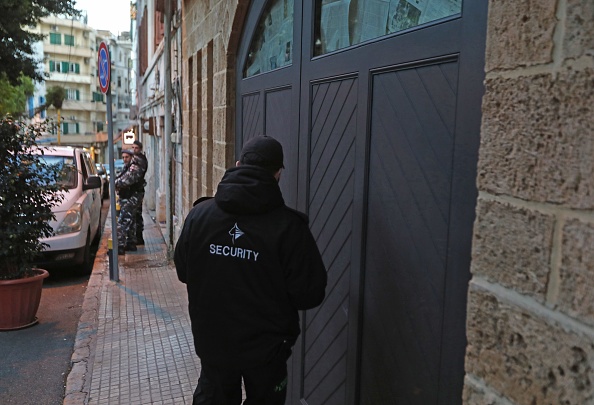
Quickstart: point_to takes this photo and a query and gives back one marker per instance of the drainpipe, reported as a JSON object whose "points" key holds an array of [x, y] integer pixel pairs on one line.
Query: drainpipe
{"points": [[168, 125]]}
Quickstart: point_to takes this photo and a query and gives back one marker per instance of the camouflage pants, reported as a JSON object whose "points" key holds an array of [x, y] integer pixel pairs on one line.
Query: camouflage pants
{"points": [[127, 219]]}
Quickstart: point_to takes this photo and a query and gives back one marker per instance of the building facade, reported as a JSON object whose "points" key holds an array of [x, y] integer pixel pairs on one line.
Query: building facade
{"points": [[69, 53], [159, 109], [443, 152], [120, 48]]}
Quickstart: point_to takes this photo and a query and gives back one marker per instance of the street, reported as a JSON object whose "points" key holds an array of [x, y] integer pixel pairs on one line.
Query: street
{"points": [[36, 360]]}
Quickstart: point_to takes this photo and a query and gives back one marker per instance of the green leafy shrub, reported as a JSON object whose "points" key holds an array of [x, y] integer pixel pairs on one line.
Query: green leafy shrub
{"points": [[55, 96], [29, 189]]}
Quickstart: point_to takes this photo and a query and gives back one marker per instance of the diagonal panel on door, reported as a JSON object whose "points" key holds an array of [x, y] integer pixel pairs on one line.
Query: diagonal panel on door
{"points": [[252, 120], [410, 177], [279, 123], [331, 188]]}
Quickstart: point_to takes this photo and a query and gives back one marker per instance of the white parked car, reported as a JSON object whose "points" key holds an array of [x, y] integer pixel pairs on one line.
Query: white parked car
{"points": [[78, 216]]}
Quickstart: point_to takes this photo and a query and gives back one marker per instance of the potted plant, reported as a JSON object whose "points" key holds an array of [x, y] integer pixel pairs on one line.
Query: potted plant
{"points": [[28, 190]]}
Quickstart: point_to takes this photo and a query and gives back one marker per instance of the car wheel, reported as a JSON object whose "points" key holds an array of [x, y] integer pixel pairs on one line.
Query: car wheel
{"points": [[87, 265]]}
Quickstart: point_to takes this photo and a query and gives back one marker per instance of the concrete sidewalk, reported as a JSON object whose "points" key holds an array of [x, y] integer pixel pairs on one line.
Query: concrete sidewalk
{"points": [[134, 341]]}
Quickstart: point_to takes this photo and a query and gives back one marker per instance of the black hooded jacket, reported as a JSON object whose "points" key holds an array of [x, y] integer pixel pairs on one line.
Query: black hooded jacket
{"points": [[250, 263]]}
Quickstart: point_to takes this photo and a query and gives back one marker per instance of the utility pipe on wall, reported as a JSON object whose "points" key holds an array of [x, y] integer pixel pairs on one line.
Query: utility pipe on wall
{"points": [[168, 124]]}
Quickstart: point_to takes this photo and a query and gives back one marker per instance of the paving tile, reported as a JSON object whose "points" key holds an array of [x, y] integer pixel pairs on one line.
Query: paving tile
{"points": [[142, 352]]}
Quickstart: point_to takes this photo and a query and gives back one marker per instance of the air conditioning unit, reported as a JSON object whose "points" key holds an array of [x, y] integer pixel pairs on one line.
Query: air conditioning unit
{"points": [[87, 61], [73, 117], [54, 27], [85, 34]]}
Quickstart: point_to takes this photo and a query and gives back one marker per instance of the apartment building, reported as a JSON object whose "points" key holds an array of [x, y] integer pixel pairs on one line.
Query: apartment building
{"points": [[120, 48], [69, 53], [159, 106]]}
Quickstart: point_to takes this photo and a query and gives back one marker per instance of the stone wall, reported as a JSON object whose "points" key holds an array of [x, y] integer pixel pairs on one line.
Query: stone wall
{"points": [[530, 321], [208, 48]]}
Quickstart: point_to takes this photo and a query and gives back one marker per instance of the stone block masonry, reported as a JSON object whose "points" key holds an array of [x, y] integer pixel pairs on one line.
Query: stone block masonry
{"points": [[530, 320], [530, 356]]}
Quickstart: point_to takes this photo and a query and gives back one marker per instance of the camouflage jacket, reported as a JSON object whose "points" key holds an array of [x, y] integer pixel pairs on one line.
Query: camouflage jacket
{"points": [[131, 179]]}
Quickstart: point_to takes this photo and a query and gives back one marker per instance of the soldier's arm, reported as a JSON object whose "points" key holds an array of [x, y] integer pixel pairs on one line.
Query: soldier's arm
{"points": [[131, 177]]}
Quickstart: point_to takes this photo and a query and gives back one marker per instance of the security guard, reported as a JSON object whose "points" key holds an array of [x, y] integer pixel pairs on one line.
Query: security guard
{"points": [[250, 263]]}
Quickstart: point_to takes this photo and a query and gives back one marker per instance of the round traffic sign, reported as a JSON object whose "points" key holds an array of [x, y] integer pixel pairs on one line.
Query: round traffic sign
{"points": [[104, 67]]}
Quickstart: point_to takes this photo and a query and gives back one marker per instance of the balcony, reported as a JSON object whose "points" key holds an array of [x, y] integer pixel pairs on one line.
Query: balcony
{"points": [[87, 106], [70, 78], [67, 50], [78, 139]]}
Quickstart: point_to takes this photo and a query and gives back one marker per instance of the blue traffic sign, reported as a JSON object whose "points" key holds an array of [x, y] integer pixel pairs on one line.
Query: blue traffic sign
{"points": [[104, 67]]}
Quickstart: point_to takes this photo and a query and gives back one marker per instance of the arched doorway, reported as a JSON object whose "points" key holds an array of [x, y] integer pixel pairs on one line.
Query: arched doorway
{"points": [[380, 124]]}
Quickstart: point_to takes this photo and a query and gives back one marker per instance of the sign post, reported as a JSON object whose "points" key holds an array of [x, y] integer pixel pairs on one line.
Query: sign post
{"points": [[104, 67]]}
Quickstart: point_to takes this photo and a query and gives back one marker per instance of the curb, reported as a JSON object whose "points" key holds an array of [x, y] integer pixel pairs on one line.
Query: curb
{"points": [[78, 381]]}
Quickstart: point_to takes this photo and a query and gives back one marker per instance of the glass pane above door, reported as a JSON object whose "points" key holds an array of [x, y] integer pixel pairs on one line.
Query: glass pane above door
{"points": [[272, 45], [342, 23]]}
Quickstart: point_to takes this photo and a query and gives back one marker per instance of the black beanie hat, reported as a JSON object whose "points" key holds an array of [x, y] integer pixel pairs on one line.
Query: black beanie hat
{"points": [[263, 151]]}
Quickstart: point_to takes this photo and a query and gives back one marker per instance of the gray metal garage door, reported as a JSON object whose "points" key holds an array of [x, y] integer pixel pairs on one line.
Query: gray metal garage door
{"points": [[377, 104]]}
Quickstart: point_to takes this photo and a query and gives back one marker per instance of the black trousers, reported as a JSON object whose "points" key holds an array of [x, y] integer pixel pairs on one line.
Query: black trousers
{"points": [[264, 385]]}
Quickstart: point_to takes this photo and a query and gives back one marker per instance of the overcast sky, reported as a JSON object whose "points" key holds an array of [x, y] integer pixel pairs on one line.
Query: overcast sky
{"points": [[112, 15]]}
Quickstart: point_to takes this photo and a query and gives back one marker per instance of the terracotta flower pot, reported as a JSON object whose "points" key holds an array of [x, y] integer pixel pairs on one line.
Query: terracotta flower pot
{"points": [[19, 300]]}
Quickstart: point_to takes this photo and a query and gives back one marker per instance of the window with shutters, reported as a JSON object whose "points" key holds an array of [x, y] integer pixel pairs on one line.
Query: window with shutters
{"points": [[68, 40], [42, 102], [74, 68], [60, 67], [97, 96], [31, 106], [72, 94], [55, 38]]}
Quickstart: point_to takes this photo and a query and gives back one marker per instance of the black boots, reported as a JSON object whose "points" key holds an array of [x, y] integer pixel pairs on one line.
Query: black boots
{"points": [[139, 238], [128, 248]]}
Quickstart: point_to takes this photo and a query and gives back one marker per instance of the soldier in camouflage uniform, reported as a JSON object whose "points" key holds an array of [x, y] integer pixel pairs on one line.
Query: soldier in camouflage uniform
{"points": [[137, 148], [130, 187]]}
